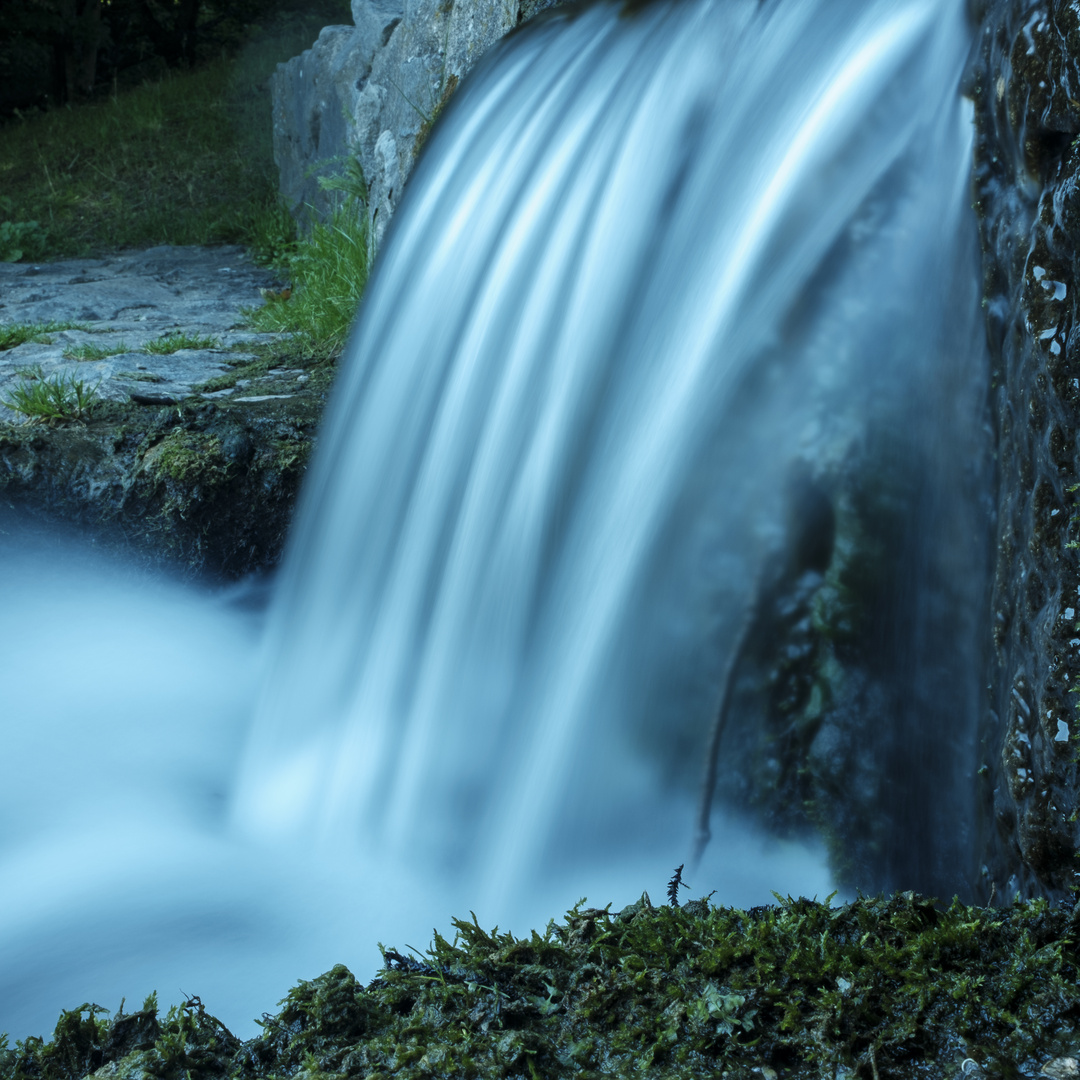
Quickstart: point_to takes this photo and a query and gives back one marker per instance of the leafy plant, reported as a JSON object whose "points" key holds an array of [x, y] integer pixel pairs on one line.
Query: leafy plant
{"points": [[177, 340], [897, 987], [89, 351], [51, 399], [20, 239]]}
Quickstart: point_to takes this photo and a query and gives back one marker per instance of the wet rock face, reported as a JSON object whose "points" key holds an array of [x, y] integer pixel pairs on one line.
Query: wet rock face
{"points": [[1026, 86], [201, 488], [371, 91]]}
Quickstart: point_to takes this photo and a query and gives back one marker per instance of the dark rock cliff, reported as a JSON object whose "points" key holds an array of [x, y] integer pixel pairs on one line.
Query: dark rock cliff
{"points": [[1026, 86]]}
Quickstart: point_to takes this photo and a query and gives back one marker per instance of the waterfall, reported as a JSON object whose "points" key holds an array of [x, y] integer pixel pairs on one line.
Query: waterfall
{"points": [[653, 262], [581, 372]]}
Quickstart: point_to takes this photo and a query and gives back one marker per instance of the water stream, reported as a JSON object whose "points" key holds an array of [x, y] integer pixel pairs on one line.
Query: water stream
{"points": [[648, 265]]}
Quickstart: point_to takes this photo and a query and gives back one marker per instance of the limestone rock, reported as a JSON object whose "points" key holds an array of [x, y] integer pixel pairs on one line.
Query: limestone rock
{"points": [[372, 91]]}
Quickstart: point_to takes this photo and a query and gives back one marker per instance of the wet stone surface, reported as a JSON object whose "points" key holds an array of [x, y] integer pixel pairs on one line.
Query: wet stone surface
{"points": [[124, 302], [191, 458]]}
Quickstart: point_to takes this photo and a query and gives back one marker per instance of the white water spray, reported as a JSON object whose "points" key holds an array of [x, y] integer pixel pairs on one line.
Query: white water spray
{"points": [[646, 263]]}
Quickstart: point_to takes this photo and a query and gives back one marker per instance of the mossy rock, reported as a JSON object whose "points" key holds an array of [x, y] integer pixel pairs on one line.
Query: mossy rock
{"points": [[878, 988], [205, 487]]}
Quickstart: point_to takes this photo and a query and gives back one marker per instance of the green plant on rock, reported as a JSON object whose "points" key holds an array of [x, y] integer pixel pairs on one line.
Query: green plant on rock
{"points": [[51, 399], [189, 457], [176, 340], [88, 351], [140, 376], [886, 987], [328, 268], [12, 335]]}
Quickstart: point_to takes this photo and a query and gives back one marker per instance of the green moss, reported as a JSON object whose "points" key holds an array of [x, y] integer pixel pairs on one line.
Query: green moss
{"points": [[450, 84], [188, 456], [140, 376], [879, 987], [291, 454]]}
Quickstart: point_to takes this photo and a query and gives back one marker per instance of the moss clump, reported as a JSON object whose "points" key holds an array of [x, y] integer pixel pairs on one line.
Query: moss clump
{"points": [[188, 456], [877, 988]]}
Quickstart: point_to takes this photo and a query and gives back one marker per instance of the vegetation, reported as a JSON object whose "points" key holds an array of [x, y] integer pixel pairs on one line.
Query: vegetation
{"points": [[183, 158], [186, 158], [14, 334], [89, 351], [876, 988], [19, 239], [176, 340], [51, 399], [328, 269]]}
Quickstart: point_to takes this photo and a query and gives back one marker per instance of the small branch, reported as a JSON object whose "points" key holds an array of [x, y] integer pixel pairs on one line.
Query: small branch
{"points": [[702, 834]]}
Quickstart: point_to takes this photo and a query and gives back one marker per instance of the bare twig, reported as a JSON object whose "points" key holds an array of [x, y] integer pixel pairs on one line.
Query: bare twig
{"points": [[702, 833]]}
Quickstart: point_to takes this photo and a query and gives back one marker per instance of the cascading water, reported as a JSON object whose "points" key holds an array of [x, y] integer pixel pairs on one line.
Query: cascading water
{"points": [[582, 373], [651, 266]]}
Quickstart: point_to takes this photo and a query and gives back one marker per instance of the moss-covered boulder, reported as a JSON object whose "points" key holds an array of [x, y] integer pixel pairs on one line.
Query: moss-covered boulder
{"points": [[878, 988]]}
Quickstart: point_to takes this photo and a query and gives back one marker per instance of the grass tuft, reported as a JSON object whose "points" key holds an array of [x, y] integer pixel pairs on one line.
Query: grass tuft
{"points": [[329, 269], [51, 399], [177, 340], [12, 335], [89, 351]]}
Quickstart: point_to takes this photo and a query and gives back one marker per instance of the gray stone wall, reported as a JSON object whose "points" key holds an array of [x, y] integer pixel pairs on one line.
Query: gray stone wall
{"points": [[371, 91]]}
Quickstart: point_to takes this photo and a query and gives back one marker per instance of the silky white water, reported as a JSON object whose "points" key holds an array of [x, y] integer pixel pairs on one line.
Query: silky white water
{"points": [[646, 264]]}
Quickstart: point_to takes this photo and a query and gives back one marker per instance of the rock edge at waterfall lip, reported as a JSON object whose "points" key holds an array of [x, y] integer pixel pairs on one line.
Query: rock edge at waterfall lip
{"points": [[189, 459]]}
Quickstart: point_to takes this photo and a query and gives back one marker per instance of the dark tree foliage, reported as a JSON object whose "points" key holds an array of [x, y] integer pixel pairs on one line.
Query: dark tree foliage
{"points": [[58, 51], [48, 49]]}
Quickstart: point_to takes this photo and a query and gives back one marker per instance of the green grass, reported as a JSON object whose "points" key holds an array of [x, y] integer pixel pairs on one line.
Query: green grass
{"points": [[185, 160], [13, 335], [177, 340], [329, 268], [51, 399], [188, 160], [88, 351]]}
